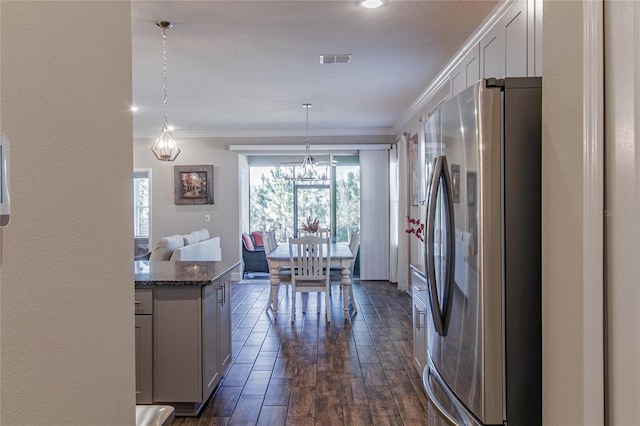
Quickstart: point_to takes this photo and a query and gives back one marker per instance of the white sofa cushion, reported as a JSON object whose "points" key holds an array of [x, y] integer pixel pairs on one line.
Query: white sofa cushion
{"points": [[204, 250], [191, 238], [164, 247], [203, 234]]}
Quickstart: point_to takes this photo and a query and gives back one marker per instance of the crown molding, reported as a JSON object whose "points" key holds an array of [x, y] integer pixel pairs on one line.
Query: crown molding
{"points": [[443, 77], [272, 148], [381, 131]]}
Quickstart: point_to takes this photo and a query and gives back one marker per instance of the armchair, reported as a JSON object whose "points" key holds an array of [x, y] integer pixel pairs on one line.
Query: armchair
{"points": [[253, 256]]}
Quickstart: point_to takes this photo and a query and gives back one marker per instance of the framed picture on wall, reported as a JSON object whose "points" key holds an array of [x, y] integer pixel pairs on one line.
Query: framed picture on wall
{"points": [[455, 182], [471, 188], [193, 184]]}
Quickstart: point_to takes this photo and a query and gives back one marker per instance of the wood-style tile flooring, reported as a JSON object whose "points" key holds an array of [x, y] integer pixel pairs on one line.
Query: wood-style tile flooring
{"points": [[313, 373]]}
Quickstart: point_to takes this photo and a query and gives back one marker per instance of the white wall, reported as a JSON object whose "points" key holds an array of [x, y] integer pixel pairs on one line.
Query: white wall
{"points": [[67, 315], [169, 218], [622, 209], [562, 218]]}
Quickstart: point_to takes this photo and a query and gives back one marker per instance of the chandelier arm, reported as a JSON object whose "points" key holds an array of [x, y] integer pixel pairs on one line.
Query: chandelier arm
{"points": [[307, 172]]}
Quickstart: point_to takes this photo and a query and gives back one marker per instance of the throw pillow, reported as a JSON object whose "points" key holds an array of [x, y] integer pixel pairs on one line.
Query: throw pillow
{"points": [[257, 238], [164, 247], [203, 234], [191, 238], [248, 244]]}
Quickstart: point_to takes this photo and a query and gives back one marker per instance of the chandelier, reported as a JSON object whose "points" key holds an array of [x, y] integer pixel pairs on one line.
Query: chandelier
{"points": [[310, 169], [165, 148]]}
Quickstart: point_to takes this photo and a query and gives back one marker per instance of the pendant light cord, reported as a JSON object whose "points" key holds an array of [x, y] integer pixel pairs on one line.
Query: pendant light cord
{"points": [[164, 73]]}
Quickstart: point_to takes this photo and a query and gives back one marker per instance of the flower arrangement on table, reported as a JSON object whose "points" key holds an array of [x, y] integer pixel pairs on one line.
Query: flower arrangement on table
{"points": [[311, 225]]}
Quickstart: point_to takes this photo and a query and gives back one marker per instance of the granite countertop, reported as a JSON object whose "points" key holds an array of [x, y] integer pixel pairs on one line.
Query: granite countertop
{"points": [[150, 273]]}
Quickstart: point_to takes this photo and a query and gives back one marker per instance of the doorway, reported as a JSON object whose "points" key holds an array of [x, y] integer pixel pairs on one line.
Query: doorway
{"points": [[311, 201]]}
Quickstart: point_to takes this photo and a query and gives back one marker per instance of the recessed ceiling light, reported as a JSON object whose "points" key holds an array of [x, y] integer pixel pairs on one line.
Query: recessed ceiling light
{"points": [[371, 4], [134, 108]]}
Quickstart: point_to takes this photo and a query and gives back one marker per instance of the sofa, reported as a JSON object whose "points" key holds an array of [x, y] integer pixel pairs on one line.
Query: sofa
{"points": [[253, 255], [196, 245]]}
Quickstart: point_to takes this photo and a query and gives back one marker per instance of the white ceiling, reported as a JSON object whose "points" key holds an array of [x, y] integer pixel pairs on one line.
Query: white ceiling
{"points": [[246, 67]]}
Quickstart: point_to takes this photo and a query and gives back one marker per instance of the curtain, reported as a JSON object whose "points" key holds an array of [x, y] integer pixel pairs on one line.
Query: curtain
{"points": [[399, 181], [393, 213], [374, 214]]}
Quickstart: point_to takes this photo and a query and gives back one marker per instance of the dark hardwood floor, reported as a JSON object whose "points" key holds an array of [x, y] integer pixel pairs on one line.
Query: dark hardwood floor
{"points": [[313, 373]]}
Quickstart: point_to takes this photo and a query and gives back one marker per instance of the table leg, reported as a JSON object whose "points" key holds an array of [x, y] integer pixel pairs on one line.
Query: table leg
{"points": [[274, 279], [346, 290]]}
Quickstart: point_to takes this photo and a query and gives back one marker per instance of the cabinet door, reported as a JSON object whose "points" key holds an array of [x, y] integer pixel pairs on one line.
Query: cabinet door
{"points": [[419, 308], [210, 358], [144, 359], [224, 322], [178, 344], [419, 334]]}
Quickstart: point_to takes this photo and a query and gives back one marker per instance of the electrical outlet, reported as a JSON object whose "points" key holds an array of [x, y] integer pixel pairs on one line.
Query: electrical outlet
{"points": [[207, 218]]}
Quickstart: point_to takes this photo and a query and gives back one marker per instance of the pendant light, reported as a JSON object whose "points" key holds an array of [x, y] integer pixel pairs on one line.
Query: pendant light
{"points": [[308, 169], [165, 148]]}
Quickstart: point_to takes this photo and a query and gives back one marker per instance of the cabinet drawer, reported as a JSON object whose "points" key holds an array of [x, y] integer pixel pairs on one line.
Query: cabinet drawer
{"points": [[419, 286], [144, 302]]}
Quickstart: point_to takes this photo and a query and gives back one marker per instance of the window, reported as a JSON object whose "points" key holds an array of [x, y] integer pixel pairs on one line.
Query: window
{"points": [[270, 201], [347, 199], [273, 201], [141, 204]]}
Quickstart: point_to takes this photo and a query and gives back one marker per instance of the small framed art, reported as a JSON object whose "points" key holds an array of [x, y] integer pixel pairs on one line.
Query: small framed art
{"points": [[193, 184], [455, 182]]}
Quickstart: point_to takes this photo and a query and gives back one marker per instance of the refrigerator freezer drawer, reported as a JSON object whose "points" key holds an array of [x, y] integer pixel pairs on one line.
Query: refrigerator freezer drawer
{"points": [[444, 408]]}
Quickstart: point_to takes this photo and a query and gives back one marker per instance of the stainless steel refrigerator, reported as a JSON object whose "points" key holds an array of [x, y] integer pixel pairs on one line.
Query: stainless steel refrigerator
{"points": [[482, 269]]}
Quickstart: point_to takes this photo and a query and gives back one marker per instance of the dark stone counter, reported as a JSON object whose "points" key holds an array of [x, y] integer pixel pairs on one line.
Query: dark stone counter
{"points": [[165, 273]]}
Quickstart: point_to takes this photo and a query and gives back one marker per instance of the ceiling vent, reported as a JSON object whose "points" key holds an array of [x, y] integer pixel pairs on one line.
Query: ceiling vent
{"points": [[332, 58]]}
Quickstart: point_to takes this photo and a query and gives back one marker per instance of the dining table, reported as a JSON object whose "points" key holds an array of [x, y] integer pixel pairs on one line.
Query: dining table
{"points": [[341, 257]]}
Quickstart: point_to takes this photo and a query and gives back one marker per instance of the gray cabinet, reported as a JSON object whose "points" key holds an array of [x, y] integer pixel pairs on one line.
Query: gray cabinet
{"points": [[192, 342], [210, 339], [144, 346], [224, 322]]}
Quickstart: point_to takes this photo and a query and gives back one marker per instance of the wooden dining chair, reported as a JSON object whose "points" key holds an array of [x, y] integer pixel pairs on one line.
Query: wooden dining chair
{"points": [[324, 232], [310, 259], [336, 273], [270, 244], [321, 232], [269, 238]]}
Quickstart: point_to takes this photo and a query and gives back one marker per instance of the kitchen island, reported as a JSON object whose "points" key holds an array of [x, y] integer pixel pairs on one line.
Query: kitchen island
{"points": [[183, 331]]}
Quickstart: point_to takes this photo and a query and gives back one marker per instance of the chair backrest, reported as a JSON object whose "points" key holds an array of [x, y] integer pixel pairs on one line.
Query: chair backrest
{"points": [[269, 238], [354, 245], [310, 258], [321, 232], [324, 232]]}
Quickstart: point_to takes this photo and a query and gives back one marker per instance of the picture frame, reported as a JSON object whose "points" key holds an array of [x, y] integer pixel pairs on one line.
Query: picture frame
{"points": [[471, 188], [193, 184], [455, 182]]}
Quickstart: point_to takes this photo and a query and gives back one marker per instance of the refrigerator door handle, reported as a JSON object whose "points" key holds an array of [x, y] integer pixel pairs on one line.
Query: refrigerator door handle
{"points": [[440, 314]]}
